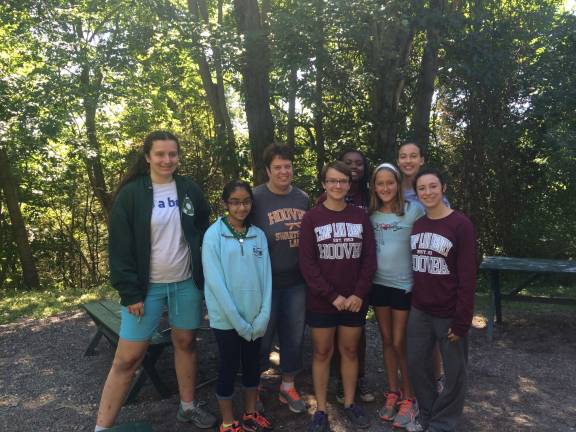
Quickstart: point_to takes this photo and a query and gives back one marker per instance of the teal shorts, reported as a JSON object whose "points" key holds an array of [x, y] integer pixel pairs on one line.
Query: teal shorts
{"points": [[184, 301]]}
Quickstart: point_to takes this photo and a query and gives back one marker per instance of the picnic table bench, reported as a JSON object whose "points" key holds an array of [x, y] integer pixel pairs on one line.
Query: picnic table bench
{"points": [[495, 264], [106, 316]]}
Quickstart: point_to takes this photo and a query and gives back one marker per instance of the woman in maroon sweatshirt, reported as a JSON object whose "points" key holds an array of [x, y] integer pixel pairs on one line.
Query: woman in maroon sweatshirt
{"points": [[444, 267], [338, 261]]}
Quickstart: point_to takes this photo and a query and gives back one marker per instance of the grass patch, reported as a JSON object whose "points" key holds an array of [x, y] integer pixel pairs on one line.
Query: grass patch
{"points": [[15, 304], [548, 285]]}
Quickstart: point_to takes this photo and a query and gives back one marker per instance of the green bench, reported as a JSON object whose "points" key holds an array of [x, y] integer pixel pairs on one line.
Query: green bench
{"points": [[106, 316], [493, 265]]}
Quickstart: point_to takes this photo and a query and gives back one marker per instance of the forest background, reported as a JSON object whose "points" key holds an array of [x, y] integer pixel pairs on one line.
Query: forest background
{"points": [[487, 87]]}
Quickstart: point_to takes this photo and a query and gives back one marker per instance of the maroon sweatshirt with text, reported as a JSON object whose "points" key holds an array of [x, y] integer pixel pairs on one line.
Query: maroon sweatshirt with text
{"points": [[444, 268], [337, 256]]}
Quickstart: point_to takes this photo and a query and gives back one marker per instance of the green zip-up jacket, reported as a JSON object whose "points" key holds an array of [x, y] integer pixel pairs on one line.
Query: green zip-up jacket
{"points": [[129, 234]]}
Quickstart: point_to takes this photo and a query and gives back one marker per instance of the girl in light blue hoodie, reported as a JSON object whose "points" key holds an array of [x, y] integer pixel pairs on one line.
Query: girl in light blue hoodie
{"points": [[238, 291]]}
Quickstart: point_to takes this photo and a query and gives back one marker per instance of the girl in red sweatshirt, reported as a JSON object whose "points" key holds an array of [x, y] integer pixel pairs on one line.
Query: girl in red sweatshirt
{"points": [[444, 268], [338, 261]]}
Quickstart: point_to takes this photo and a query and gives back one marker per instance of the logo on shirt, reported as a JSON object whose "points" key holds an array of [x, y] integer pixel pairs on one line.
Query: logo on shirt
{"points": [[257, 251], [423, 246], [394, 226], [292, 219], [343, 245], [169, 202], [188, 206]]}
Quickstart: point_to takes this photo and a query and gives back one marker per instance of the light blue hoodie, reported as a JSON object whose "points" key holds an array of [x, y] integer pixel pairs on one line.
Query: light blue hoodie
{"points": [[238, 280]]}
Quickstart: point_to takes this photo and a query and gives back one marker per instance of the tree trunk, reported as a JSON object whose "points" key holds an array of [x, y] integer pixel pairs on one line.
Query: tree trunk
{"points": [[225, 140], [256, 82], [387, 61], [427, 76], [9, 186], [319, 90], [90, 92], [291, 124]]}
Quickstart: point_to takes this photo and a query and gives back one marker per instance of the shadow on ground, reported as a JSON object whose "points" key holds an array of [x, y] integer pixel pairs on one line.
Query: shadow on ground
{"points": [[524, 381]]}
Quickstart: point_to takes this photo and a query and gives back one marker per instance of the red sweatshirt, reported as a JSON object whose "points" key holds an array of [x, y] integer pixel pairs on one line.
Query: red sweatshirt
{"points": [[337, 256], [444, 265]]}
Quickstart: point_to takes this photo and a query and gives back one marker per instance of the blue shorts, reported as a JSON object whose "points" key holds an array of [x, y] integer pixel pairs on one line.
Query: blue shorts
{"points": [[184, 302]]}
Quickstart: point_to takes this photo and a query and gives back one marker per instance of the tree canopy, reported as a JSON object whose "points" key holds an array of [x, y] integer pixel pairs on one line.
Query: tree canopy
{"points": [[487, 87]]}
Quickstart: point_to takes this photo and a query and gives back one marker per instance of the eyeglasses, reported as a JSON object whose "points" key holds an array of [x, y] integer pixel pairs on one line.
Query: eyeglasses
{"points": [[334, 182], [236, 203]]}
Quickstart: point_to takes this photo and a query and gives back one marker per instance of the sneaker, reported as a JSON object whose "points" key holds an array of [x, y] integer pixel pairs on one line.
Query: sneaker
{"points": [[390, 407], [440, 384], [197, 415], [407, 413], [340, 392], [293, 399], [365, 394], [256, 422], [319, 422], [414, 426], [234, 427], [357, 416]]}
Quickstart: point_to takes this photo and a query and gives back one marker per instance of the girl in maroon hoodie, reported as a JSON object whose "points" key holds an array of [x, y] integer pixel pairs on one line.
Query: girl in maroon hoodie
{"points": [[338, 261], [444, 269]]}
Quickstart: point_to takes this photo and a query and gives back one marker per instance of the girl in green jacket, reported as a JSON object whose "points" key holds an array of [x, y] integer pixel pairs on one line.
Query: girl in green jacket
{"points": [[155, 231]]}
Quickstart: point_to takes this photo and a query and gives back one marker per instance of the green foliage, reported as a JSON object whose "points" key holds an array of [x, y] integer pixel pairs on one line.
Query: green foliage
{"points": [[503, 116]]}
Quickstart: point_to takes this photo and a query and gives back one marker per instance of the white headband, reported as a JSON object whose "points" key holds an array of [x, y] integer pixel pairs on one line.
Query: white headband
{"points": [[388, 165]]}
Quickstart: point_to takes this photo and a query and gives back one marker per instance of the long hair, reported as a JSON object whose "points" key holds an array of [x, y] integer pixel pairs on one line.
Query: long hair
{"points": [[140, 166], [363, 182], [375, 201]]}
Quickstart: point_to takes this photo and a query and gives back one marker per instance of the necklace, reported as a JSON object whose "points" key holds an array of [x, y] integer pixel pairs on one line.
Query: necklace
{"points": [[238, 235]]}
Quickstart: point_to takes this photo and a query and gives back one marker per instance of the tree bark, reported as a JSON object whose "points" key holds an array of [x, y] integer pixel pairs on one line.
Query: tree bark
{"points": [[255, 70], [319, 89], [427, 76], [90, 88], [291, 124], [9, 186], [215, 94], [388, 55]]}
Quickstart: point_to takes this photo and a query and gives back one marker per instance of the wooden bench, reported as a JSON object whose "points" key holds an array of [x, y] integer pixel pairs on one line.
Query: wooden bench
{"points": [[106, 316], [495, 264]]}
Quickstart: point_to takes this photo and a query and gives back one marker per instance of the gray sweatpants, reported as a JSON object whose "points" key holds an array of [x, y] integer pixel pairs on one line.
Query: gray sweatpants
{"points": [[439, 412]]}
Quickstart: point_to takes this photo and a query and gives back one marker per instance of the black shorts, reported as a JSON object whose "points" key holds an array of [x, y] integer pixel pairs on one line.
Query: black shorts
{"points": [[395, 298], [330, 320]]}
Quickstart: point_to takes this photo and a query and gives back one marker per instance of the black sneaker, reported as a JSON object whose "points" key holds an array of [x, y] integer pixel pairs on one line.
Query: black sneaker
{"points": [[357, 416], [319, 422]]}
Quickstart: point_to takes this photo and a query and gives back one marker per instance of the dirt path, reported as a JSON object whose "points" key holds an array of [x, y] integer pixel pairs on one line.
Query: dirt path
{"points": [[524, 381]]}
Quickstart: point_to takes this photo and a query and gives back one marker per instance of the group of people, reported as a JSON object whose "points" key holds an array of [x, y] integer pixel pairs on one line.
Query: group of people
{"points": [[272, 265]]}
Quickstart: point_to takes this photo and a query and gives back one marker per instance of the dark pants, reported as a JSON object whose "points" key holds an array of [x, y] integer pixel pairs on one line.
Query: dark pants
{"points": [[234, 349], [287, 320], [439, 412]]}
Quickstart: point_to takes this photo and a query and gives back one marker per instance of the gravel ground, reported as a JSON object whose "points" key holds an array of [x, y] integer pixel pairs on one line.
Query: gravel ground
{"points": [[525, 380]]}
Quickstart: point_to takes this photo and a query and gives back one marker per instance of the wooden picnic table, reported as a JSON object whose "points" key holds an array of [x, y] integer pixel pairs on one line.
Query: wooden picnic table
{"points": [[495, 264], [106, 316]]}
